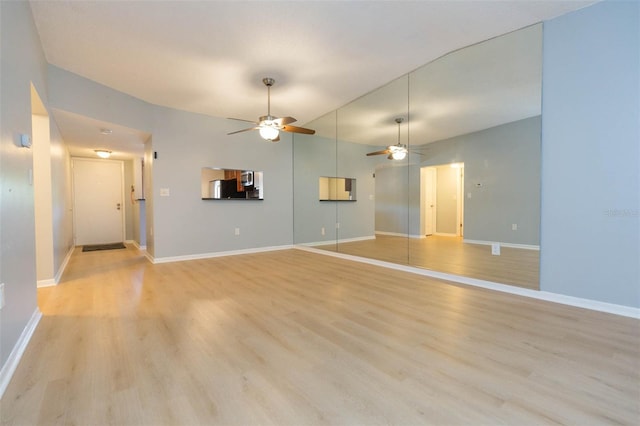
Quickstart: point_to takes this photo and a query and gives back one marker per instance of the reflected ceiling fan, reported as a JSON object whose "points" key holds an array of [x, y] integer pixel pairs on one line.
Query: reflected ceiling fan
{"points": [[270, 126], [394, 152]]}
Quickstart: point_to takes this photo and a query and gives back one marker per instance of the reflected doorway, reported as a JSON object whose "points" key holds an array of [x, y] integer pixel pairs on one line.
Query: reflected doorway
{"points": [[442, 200]]}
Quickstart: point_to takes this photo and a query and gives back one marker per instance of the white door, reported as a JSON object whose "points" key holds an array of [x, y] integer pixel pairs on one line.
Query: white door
{"points": [[98, 203], [429, 199]]}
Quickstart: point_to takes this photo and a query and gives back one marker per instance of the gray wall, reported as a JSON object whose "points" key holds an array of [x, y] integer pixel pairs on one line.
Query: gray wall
{"points": [[505, 160], [22, 63], [61, 193], [590, 154], [184, 224], [392, 197], [315, 156]]}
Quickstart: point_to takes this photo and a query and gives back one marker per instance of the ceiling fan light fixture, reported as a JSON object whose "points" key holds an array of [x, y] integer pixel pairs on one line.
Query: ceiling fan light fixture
{"points": [[103, 153], [269, 133], [399, 154]]}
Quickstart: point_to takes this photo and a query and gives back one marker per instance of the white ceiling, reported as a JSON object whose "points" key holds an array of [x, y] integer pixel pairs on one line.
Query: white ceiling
{"points": [[209, 56], [82, 135]]}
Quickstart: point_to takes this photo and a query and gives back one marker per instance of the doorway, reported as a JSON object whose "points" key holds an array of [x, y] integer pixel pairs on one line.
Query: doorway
{"points": [[98, 201], [442, 200]]}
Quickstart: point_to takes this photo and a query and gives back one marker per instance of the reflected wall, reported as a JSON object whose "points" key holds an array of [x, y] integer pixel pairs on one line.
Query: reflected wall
{"points": [[478, 107]]}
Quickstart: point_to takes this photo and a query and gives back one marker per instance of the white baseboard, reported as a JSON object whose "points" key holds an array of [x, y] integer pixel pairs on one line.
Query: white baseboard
{"points": [[10, 366], [216, 254], [343, 240], [136, 245], [56, 280], [399, 234], [594, 305], [445, 234], [509, 245], [46, 283]]}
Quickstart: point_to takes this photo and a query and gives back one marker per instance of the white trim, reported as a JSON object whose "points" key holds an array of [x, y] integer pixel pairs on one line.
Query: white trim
{"points": [[216, 254], [445, 234], [56, 280], [65, 262], [344, 240], [50, 282], [594, 305], [399, 234], [149, 257], [136, 245], [10, 366], [510, 245]]}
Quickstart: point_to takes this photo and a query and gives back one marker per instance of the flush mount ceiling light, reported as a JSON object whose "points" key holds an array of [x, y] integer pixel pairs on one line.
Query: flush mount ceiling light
{"points": [[394, 152], [106, 131], [103, 153]]}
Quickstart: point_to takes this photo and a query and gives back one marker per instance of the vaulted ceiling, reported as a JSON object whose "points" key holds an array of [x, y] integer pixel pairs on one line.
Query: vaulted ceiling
{"points": [[209, 56]]}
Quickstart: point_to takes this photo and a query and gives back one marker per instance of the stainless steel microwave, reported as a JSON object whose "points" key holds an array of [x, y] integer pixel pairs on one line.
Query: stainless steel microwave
{"points": [[246, 178]]}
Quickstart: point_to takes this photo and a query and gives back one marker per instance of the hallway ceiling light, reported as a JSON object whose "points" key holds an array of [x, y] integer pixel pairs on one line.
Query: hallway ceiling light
{"points": [[103, 153], [106, 131]]}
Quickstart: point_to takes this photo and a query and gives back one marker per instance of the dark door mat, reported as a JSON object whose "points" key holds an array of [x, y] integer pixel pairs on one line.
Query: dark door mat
{"points": [[96, 247]]}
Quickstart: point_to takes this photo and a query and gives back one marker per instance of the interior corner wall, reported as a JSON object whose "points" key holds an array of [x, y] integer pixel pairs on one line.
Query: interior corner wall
{"points": [[22, 64], [61, 191], [590, 154]]}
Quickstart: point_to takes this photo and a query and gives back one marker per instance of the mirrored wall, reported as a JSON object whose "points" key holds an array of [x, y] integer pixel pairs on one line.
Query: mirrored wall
{"points": [[447, 163]]}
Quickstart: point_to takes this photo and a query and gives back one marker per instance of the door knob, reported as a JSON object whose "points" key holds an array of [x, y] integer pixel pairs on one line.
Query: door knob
{"points": [[118, 206]]}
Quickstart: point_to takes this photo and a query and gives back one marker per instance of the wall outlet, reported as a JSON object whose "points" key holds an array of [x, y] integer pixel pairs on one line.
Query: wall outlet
{"points": [[1, 295], [495, 249], [165, 192], [322, 231], [237, 231], [514, 226]]}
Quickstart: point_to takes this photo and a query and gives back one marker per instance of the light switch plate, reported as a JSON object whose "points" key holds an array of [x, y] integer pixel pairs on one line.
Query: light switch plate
{"points": [[164, 192]]}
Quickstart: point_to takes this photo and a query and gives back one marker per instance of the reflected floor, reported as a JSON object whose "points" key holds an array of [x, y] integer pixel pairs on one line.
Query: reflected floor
{"points": [[519, 267]]}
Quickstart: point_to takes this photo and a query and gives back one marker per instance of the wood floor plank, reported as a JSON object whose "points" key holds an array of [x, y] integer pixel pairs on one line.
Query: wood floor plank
{"points": [[514, 266], [297, 338]]}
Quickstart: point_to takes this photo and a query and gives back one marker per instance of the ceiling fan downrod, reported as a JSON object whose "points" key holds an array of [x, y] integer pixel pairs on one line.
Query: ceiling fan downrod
{"points": [[268, 81]]}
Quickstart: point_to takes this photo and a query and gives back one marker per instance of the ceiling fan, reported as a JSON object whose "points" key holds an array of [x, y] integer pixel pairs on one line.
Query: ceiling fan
{"points": [[270, 126], [394, 152]]}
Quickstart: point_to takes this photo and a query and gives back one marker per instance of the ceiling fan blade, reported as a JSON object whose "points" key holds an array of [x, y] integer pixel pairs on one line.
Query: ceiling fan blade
{"points": [[294, 129], [241, 119], [243, 130], [284, 121], [385, 151]]}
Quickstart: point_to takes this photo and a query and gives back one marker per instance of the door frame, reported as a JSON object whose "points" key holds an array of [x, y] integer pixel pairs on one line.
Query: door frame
{"points": [[122, 192], [424, 181]]}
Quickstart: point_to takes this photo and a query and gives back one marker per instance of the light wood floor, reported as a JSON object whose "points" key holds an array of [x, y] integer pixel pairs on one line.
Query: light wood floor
{"points": [[298, 338], [519, 267]]}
